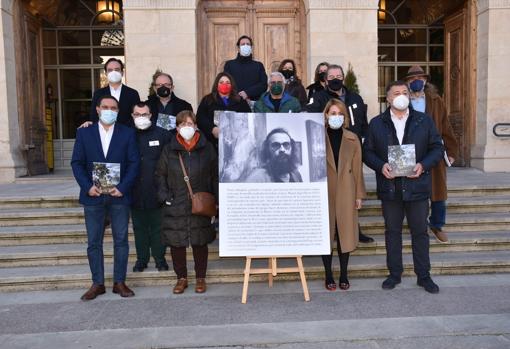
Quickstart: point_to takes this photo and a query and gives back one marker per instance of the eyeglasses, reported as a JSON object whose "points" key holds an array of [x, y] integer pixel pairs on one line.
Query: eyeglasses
{"points": [[166, 85], [277, 145], [275, 82], [136, 115]]}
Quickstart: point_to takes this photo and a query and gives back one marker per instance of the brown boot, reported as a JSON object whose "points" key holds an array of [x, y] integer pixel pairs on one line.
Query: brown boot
{"points": [[122, 290], [93, 292], [181, 285], [439, 234], [200, 286]]}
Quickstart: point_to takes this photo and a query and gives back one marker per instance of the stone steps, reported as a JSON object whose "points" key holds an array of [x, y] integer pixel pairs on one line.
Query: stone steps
{"points": [[231, 270], [74, 254]]}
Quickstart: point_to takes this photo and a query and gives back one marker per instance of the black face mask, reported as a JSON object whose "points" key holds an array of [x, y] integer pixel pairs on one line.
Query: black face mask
{"points": [[335, 84], [322, 76], [163, 92], [287, 73]]}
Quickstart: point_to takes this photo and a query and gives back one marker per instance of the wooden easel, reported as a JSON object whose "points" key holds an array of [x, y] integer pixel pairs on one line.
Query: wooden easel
{"points": [[272, 270]]}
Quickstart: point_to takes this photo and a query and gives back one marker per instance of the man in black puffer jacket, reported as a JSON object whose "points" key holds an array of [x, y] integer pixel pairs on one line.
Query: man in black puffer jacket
{"points": [[404, 196]]}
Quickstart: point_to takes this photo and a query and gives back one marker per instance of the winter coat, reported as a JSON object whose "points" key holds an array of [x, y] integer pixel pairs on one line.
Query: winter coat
{"points": [[175, 104], [313, 88], [345, 185], [179, 227], [288, 104], [295, 88], [352, 101], [421, 132], [205, 114], [150, 144], [249, 75], [434, 107]]}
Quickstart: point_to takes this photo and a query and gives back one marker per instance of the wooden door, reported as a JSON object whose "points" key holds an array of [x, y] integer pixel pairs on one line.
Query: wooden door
{"points": [[460, 73], [276, 26], [28, 47]]}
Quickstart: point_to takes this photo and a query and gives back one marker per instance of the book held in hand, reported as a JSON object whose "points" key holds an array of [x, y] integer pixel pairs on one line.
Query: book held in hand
{"points": [[106, 175], [402, 159], [166, 121]]}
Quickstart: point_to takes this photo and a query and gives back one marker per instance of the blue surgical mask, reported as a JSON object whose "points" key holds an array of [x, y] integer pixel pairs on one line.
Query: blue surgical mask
{"points": [[108, 117], [245, 50], [417, 85], [335, 121]]}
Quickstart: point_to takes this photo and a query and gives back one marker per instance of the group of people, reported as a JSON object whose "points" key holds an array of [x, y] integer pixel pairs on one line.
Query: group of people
{"points": [[157, 165]]}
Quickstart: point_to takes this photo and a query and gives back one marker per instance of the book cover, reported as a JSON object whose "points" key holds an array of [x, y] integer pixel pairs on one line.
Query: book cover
{"points": [[106, 175], [402, 159], [166, 121]]}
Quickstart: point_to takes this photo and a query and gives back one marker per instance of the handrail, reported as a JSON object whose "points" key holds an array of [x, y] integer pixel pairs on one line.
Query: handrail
{"points": [[506, 127]]}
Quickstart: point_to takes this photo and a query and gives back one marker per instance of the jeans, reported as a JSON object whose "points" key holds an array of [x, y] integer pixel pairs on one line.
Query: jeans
{"points": [[416, 214], [94, 222], [437, 217]]}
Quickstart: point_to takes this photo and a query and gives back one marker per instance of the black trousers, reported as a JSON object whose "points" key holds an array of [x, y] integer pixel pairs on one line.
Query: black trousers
{"points": [[200, 256], [416, 213], [344, 262]]}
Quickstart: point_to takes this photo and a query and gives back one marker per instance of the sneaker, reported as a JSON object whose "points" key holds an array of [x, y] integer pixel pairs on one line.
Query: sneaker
{"points": [[390, 283], [428, 285], [162, 266], [439, 234], [139, 267]]}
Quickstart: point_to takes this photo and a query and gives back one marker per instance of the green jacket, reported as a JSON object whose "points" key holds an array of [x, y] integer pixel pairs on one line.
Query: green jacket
{"points": [[288, 104]]}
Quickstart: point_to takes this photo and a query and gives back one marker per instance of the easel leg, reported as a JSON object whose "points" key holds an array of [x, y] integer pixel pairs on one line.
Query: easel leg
{"points": [[246, 280], [303, 278], [270, 275]]}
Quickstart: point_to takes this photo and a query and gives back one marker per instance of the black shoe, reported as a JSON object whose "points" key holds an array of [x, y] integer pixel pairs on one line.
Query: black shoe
{"points": [[429, 285], [365, 238], [139, 266], [162, 266], [390, 283]]}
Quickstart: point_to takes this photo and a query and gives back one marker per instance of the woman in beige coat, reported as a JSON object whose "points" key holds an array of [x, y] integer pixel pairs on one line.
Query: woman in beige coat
{"points": [[346, 188]]}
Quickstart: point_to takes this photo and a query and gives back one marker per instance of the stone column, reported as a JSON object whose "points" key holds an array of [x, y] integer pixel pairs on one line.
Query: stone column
{"points": [[491, 153], [161, 34], [12, 164], [343, 31]]}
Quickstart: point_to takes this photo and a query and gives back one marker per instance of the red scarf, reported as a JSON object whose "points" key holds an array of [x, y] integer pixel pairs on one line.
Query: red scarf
{"points": [[192, 144]]}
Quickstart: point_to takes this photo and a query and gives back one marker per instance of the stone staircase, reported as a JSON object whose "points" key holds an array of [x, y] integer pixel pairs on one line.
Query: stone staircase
{"points": [[43, 243]]}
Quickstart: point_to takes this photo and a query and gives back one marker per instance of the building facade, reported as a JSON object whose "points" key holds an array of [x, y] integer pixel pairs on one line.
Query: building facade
{"points": [[52, 53]]}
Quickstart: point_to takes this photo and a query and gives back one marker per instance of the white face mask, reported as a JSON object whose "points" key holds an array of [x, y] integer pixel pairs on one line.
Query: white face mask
{"points": [[143, 122], [187, 132], [401, 102], [114, 77], [245, 50], [335, 121]]}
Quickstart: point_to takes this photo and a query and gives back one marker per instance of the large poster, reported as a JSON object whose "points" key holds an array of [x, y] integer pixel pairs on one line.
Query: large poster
{"points": [[273, 188]]}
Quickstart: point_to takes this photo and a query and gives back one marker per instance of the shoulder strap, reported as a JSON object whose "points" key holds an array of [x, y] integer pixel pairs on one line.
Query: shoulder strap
{"points": [[186, 178]]}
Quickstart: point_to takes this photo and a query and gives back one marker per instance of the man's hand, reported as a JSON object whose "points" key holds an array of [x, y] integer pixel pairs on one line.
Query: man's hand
{"points": [[86, 124], [386, 171], [94, 191], [358, 204], [418, 170], [243, 95], [451, 160], [216, 132], [116, 193]]}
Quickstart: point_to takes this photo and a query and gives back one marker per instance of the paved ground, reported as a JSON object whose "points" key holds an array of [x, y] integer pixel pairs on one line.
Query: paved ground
{"points": [[469, 312]]}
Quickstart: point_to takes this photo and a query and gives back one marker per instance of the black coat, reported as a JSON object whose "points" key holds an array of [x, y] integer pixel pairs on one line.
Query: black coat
{"points": [[314, 88], [352, 100], [179, 227], [249, 75], [295, 88], [128, 98], [176, 105], [205, 114], [420, 131], [150, 144]]}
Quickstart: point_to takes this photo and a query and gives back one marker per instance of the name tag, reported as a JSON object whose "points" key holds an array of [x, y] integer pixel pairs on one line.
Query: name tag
{"points": [[153, 143]]}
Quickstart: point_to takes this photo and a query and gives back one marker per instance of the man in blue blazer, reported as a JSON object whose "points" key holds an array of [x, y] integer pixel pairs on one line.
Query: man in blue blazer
{"points": [[127, 97], [108, 142]]}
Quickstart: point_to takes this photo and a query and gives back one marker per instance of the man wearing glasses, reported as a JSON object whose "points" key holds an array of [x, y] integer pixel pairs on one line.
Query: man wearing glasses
{"points": [[280, 159], [145, 211]]}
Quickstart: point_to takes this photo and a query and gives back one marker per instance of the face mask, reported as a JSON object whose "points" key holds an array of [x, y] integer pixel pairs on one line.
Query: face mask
{"points": [[108, 117], [401, 102], [163, 92], [287, 73], [245, 50], [224, 89], [187, 132], [276, 89], [335, 84], [322, 76], [417, 85], [335, 121], [143, 122], [114, 77]]}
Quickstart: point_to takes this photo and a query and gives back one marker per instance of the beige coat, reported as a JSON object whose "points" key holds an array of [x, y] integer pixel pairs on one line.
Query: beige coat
{"points": [[344, 187]]}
